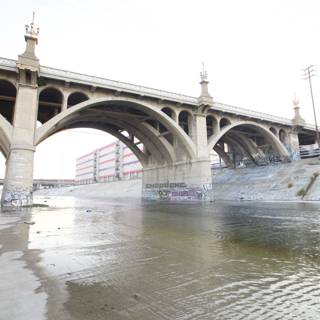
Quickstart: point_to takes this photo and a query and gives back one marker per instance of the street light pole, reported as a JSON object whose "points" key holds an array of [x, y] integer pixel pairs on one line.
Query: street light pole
{"points": [[309, 72]]}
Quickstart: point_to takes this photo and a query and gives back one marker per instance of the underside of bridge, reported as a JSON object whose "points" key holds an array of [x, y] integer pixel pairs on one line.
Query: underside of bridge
{"points": [[8, 94], [245, 145], [132, 123], [162, 143], [306, 138]]}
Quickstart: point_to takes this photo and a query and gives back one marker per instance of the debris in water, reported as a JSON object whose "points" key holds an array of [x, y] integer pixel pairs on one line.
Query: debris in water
{"points": [[88, 210], [29, 222], [136, 296]]}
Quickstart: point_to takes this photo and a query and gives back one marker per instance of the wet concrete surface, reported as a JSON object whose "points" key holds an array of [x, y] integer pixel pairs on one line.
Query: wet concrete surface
{"points": [[92, 259]]}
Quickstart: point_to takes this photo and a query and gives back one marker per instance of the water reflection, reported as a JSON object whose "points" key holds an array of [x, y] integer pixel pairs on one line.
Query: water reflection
{"points": [[20, 297], [111, 260]]}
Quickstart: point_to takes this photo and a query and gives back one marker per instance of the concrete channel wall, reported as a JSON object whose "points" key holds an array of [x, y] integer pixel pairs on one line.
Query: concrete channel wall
{"points": [[268, 183]]}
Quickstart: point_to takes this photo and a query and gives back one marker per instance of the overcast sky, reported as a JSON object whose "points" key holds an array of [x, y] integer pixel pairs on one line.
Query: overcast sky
{"points": [[253, 50]]}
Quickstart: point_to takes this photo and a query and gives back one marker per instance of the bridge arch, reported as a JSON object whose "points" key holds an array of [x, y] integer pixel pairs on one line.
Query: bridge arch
{"points": [[116, 115], [76, 97], [8, 93], [283, 136], [170, 112], [273, 130], [50, 103], [212, 125], [5, 136], [149, 136], [224, 122], [126, 140], [275, 143], [50, 87], [10, 81], [185, 121]]}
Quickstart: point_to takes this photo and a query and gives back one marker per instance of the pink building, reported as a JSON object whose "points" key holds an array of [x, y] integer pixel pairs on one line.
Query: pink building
{"points": [[114, 161]]}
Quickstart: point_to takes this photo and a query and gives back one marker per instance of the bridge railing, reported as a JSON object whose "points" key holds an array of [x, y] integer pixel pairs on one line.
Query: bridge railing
{"points": [[115, 85], [8, 64], [250, 113]]}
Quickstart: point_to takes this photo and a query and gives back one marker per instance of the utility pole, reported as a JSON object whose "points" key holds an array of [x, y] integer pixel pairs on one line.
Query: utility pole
{"points": [[309, 72]]}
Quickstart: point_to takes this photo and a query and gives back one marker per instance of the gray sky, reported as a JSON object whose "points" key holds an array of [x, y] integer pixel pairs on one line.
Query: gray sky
{"points": [[254, 51]]}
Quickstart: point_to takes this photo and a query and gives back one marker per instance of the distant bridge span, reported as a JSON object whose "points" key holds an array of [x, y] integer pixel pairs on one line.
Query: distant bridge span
{"points": [[177, 132], [49, 183]]}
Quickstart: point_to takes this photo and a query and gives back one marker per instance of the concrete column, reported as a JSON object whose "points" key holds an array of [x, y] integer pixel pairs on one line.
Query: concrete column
{"points": [[185, 179], [179, 181], [64, 102], [18, 183], [293, 145], [223, 155], [199, 135]]}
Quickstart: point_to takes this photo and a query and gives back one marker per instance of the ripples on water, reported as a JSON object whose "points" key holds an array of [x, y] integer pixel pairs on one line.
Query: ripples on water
{"points": [[265, 260], [183, 261]]}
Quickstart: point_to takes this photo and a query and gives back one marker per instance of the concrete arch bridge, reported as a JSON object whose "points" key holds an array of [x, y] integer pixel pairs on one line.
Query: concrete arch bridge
{"points": [[171, 134]]}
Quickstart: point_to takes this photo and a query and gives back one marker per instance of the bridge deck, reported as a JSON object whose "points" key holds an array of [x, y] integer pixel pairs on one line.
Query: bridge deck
{"points": [[69, 76], [50, 181]]}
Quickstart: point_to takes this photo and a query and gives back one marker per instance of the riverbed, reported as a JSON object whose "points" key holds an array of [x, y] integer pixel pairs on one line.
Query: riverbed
{"points": [[116, 259]]}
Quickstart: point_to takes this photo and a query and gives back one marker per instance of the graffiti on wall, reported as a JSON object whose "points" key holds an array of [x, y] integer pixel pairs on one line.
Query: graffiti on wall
{"points": [[177, 192], [294, 153], [166, 185], [17, 198]]}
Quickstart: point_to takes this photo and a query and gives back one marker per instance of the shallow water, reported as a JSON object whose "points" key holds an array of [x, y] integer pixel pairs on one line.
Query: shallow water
{"points": [[120, 260]]}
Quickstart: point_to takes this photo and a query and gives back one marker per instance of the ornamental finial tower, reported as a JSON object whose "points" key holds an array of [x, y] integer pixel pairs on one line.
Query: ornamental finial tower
{"points": [[297, 120], [28, 60], [31, 30], [205, 97]]}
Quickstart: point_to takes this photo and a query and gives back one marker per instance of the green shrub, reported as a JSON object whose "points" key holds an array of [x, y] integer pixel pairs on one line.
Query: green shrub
{"points": [[290, 185], [35, 205], [301, 192]]}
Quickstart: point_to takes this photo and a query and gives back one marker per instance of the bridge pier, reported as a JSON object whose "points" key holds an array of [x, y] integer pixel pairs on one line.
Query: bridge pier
{"points": [[18, 183], [189, 179], [293, 145], [179, 181]]}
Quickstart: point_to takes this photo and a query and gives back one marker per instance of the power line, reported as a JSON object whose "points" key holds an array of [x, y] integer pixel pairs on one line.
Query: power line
{"points": [[309, 72]]}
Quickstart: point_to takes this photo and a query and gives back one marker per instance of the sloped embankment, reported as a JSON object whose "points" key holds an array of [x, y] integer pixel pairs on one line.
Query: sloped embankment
{"points": [[128, 189], [276, 182]]}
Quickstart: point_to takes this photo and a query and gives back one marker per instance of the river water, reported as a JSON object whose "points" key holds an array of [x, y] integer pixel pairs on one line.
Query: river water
{"points": [[113, 259]]}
